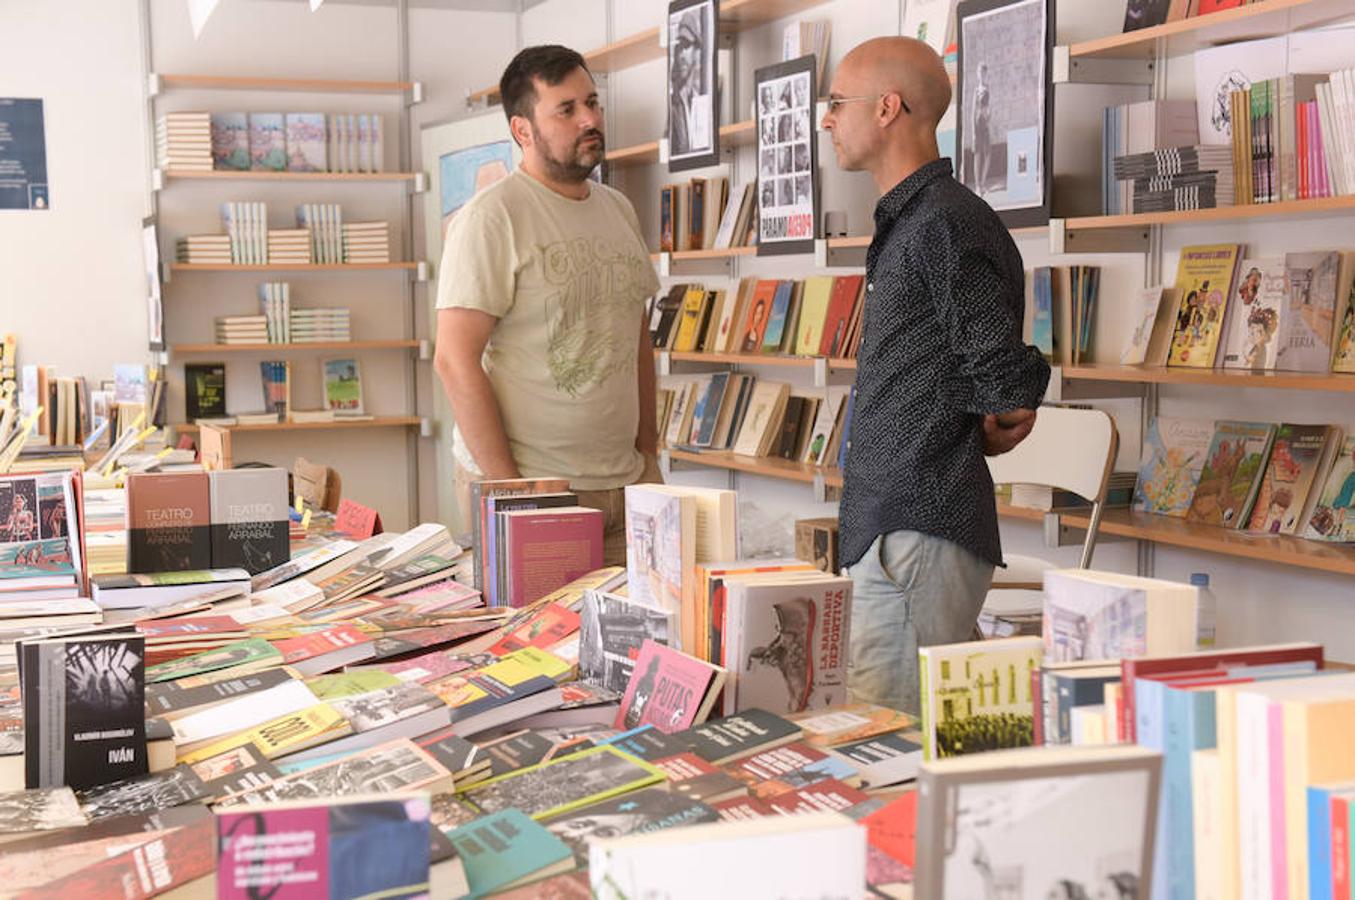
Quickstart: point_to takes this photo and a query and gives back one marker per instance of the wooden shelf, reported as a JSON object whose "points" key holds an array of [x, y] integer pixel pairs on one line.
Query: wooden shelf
{"points": [[307, 267], [738, 134], [237, 83], [378, 422], [854, 242], [1282, 549], [643, 46], [757, 359], [681, 255], [771, 467], [232, 175], [1301, 381], [1260, 19], [1323, 206], [317, 345]]}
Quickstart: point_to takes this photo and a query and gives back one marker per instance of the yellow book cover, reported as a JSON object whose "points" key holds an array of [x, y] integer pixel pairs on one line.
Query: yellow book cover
{"points": [[813, 312], [285, 734], [350, 684], [513, 669], [690, 319], [1204, 281], [1343, 343], [562, 785], [976, 695]]}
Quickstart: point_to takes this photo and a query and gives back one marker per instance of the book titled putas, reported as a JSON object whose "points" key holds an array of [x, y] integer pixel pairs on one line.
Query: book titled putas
{"points": [[249, 519]]}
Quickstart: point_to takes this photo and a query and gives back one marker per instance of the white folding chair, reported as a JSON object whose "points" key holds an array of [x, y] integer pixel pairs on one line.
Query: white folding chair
{"points": [[1068, 449]]}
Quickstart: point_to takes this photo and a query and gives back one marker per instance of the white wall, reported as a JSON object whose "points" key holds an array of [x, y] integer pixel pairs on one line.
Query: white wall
{"points": [[71, 280]]}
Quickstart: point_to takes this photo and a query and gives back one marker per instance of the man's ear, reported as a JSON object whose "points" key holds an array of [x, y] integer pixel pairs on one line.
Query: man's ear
{"points": [[521, 128], [890, 109]]}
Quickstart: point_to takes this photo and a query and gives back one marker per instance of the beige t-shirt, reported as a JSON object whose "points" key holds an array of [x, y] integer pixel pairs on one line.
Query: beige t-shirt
{"points": [[567, 280]]}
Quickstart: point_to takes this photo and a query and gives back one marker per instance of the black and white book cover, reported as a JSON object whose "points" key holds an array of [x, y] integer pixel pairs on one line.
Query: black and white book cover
{"points": [[85, 708], [386, 706], [639, 812], [517, 751], [739, 735], [397, 766], [237, 770], [159, 790], [42, 809], [575, 779], [885, 760], [453, 751], [249, 519], [611, 630], [169, 697]]}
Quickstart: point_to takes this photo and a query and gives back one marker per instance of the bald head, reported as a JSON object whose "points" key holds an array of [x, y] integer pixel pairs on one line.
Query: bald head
{"points": [[905, 66]]}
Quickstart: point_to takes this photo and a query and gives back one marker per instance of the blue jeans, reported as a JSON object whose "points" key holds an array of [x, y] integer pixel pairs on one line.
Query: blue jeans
{"points": [[910, 590]]}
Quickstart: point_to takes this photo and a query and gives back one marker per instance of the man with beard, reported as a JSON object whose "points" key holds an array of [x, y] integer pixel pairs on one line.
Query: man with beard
{"points": [[541, 343]]}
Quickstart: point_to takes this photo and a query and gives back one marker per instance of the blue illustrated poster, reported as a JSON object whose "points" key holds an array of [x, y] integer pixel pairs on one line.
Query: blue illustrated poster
{"points": [[466, 172], [23, 155]]}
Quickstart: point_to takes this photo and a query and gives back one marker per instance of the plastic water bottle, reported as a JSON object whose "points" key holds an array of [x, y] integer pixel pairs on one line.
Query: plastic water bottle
{"points": [[1206, 611]]}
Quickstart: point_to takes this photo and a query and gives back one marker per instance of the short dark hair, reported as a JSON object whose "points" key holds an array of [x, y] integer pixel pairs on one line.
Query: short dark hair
{"points": [[549, 62]]}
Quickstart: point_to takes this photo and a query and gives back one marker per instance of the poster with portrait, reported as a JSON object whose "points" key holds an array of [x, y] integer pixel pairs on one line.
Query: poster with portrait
{"points": [[787, 155], [693, 110], [1005, 105]]}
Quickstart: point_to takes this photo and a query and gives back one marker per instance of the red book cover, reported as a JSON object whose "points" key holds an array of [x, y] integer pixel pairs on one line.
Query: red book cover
{"points": [[668, 689], [1131, 669], [684, 767], [309, 646], [759, 313], [168, 522], [171, 628], [1212, 6], [829, 795], [892, 829], [548, 548], [551, 626], [743, 808], [840, 303], [1340, 845]]}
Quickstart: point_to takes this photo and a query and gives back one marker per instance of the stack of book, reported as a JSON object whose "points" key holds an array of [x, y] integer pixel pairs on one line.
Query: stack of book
{"points": [[275, 299], [206, 249], [1198, 177], [1060, 311], [690, 214], [356, 142], [289, 246], [297, 142], [41, 544], [246, 225], [366, 242], [318, 326], [1136, 128], [183, 141], [242, 330], [819, 316], [323, 222]]}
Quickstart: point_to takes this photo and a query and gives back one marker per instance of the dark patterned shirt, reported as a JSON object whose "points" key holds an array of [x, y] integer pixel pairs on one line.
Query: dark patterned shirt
{"points": [[941, 349]]}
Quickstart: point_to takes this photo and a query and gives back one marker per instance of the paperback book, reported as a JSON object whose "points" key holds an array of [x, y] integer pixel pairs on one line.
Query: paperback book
{"points": [[1232, 473]]}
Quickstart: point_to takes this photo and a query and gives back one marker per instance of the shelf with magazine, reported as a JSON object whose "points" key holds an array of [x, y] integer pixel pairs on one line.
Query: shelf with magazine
{"points": [[332, 424], [399, 344], [1228, 378]]}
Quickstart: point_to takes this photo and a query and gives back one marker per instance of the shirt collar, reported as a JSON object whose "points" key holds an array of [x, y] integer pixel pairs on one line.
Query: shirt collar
{"points": [[892, 204]]}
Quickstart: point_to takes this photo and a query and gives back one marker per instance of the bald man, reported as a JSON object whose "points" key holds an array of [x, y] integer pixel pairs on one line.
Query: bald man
{"points": [[942, 375]]}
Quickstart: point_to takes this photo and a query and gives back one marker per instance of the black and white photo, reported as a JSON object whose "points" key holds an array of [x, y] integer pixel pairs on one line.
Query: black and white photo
{"points": [[787, 156], [693, 108], [1004, 106]]}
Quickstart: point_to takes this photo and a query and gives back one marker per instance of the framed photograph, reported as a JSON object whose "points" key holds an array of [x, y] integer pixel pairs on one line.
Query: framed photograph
{"points": [[693, 110], [343, 386], [788, 158], [1003, 148]]}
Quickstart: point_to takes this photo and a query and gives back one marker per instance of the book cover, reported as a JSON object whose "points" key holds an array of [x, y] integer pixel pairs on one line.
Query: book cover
{"points": [[168, 518], [564, 784], [507, 848], [230, 141], [249, 654], [267, 142], [775, 333], [976, 695], [84, 710], [668, 689], [35, 533], [706, 413], [818, 296], [548, 548], [732, 737], [1204, 278], [1258, 307], [291, 733], [249, 519], [1333, 518], [361, 847], [639, 812], [1231, 473], [306, 142], [660, 546], [397, 765], [482, 490], [1174, 454], [790, 768], [1343, 340], [386, 706], [846, 289], [788, 644], [1295, 458], [343, 386], [553, 624], [850, 723], [235, 771], [204, 390], [691, 318], [40, 809], [611, 630], [143, 794], [759, 313], [885, 760], [765, 410], [1093, 615], [1306, 328]]}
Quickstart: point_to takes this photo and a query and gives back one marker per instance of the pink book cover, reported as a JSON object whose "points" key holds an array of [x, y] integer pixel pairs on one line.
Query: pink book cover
{"points": [[1279, 870], [548, 548], [426, 667], [308, 646], [665, 690], [439, 595], [282, 854]]}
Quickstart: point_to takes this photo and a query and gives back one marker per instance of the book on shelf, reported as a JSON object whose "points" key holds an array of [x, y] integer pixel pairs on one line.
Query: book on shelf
{"points": [[205, 249], [816, 541], [342, 386], [366, 242], [1204, 283], [1290, 486], [800, 38], [267, 142], [1304, 337], [1137, 141], [1332, 517], [230, 141], [277, 387], [204, 390], [304, 141], [184, 142], [1233, 469]]}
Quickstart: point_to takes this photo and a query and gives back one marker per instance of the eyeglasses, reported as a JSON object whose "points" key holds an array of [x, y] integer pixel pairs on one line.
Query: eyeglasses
{"points": [[835, 102]]}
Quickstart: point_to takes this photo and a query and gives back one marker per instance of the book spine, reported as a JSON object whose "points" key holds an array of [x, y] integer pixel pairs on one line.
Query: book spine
{"points": [[1319, 843], [1340, 848]]}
